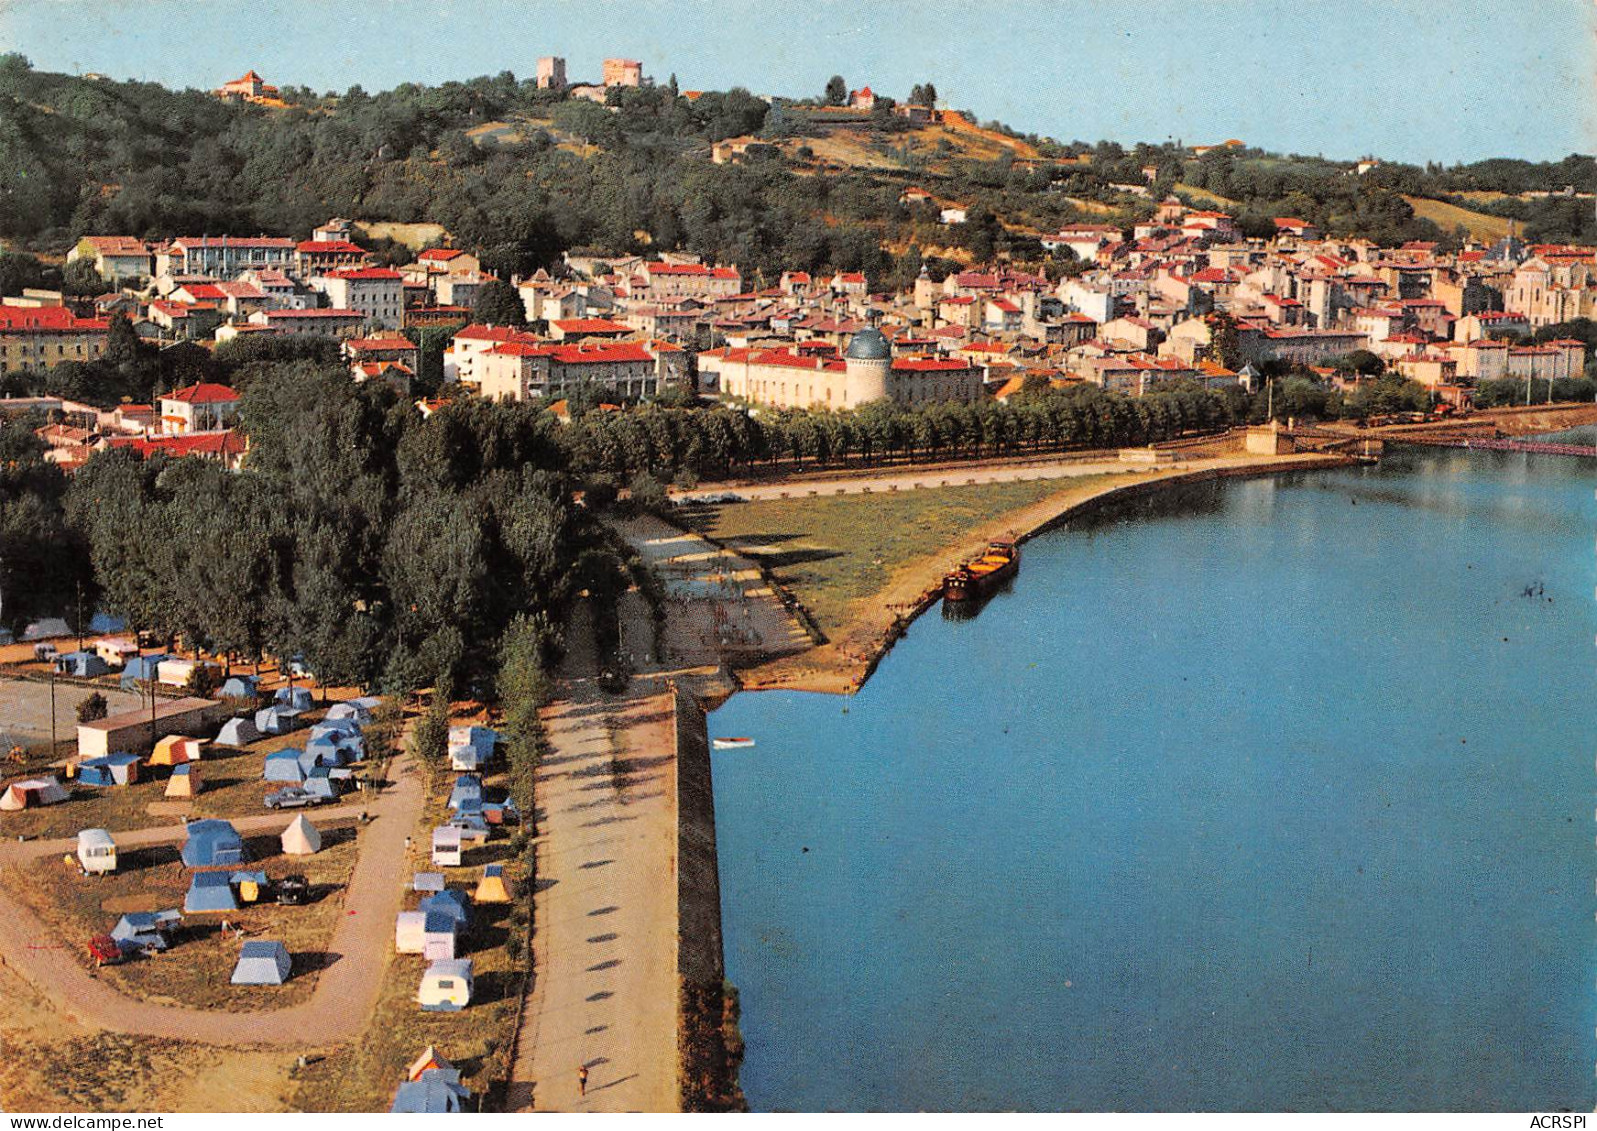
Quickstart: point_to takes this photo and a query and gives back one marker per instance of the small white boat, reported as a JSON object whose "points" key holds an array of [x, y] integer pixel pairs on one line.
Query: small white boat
{"points": [[731, 743]]}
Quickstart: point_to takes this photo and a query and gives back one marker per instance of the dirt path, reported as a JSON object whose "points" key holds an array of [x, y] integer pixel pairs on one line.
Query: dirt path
{"points": [[345, 992]]}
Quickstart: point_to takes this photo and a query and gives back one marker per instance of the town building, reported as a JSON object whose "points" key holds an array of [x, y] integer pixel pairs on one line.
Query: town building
{"points": [[40, 337]]}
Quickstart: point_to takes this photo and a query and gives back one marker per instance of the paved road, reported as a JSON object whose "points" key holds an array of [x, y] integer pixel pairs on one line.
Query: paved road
{"points": [[604, 986], [802, 487], [345, 992]]}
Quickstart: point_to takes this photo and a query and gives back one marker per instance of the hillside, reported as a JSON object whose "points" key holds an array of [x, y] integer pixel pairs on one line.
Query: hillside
{"points": [[521, 175]]}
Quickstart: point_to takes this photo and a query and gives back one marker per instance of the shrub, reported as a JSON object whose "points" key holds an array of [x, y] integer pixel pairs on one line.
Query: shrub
{"points": [[92, 707]]}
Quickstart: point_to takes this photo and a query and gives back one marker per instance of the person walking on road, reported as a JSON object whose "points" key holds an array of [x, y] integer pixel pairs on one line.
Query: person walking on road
{"points": [[582, 1079]]}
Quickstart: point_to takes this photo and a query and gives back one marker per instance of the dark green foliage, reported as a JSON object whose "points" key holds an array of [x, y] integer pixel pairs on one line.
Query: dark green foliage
{"points": [[44, 562], [498, 304], [92, 707]]}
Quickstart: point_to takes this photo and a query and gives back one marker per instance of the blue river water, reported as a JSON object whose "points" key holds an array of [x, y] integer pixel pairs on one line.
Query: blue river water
{"points": [[1270, 795]]}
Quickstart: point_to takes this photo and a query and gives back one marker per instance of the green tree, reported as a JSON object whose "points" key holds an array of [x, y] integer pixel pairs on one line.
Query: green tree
{"points": [[498, 304], [836, 91], [92, 707]]}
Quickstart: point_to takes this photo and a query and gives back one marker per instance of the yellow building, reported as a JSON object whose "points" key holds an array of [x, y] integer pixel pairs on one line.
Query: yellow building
{"points": [[40, 337]]}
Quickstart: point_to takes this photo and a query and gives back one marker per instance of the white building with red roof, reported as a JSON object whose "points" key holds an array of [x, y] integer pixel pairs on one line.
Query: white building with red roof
{"points": [[204, 407]]}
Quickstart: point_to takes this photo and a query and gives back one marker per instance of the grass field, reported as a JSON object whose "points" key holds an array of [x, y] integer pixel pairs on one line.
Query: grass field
{"points": [[1448, 216], [413, 236], [195, 972], [835, 553]]}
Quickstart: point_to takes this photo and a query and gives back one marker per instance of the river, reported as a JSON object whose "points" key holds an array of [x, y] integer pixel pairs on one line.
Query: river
{"points": [[1265, 795]]}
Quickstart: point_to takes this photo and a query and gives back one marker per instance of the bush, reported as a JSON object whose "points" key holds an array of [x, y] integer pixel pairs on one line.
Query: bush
{"points": [[92, 707], [203, 680]]}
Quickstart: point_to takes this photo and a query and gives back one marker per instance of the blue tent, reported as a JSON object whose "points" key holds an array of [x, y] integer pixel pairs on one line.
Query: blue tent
{"points": [[284, 765], [141, 930], [324, 788], [437, 1091], [102, 624], [262, 963], [212, 843], [120, 768], [239, 687], [299, 698], [210, 891], [332, 728], [141, 668], [84, 665], [276, 720], [468, 787], [451, 902], [354, 711]]}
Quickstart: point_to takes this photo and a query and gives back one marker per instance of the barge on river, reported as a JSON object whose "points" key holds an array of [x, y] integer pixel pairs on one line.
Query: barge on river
{"points": [[979, 579]]}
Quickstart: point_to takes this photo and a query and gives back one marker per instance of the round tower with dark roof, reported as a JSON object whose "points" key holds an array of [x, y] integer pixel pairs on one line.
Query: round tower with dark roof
{"points": [[867, 360]]}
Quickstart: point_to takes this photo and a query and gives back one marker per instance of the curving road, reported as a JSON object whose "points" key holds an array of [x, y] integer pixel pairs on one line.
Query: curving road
{"points": [[346, 991]]}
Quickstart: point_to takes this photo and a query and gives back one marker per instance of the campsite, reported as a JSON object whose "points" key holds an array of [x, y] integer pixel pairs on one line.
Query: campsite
{"points": [[197, 970]]}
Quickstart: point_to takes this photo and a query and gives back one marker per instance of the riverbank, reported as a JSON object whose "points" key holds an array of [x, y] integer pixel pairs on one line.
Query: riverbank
{"points": [[849, 656]]}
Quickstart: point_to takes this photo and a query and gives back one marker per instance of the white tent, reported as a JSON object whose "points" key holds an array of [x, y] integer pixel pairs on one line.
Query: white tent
{"points": [[410, 932], [238, 732], [301, 838], [34, 791]]}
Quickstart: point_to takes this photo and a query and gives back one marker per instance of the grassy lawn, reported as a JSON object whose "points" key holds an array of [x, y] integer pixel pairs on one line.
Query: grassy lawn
{"points": [[834, 553], [477, 1039], [1481, 225], [195, 972]]}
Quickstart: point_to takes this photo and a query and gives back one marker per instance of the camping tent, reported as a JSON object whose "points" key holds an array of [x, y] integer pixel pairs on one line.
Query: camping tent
{"points": [[410, 932], [239, 687], [446, 847], [140, 668], [301, 838], [438, 935], [276, 720], [262, 963], [468, 787], [352, 710], [491, 888], [212, 843], [141, 930], [184, 782], [84, 665], [299, 698], [238, 732], [251, 885], [174, 750], [120, 768], [210, 891], [325, 788], [429, 1059], [455, 904], [437, 1091], [333, 727], [284, 765], [96, 851], [446, 985], [32, 792]]}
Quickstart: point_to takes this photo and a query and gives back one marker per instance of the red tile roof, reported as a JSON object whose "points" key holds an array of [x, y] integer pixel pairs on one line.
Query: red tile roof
{"points": [[386, 274], [203, 393]]}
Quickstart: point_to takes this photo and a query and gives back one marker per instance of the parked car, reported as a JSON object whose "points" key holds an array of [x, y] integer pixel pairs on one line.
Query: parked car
{"points": [[293, 797], [293, 890], [105, 951]]}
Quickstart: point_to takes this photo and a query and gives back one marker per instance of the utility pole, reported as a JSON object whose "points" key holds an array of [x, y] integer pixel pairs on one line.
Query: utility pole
{"points": [[52, 712]]}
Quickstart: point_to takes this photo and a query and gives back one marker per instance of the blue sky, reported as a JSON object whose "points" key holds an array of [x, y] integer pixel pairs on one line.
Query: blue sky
{"points": [[1406, 79]]}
